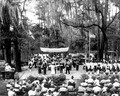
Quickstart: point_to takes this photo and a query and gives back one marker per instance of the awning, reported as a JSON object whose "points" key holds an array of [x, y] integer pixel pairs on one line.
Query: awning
{"points": [[54, 50]]}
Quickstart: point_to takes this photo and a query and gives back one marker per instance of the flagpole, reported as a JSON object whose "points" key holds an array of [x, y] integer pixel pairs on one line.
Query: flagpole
{"points": [[89, 46]]}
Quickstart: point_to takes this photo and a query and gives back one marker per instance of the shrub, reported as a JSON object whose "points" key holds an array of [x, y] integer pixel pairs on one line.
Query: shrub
{"points": [[47, 85], [40, 79], [31, 78], [103, 76], [83, 77], [58, 79], [114, 77]]}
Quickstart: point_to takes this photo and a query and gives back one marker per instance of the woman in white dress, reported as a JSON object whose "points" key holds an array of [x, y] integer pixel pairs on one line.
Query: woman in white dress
{"points": [[52, 66]]}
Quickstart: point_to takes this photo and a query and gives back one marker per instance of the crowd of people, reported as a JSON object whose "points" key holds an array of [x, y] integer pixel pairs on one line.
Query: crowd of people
{"points": [[59, 62], [102, 84], [46, 87], [95, 85]]}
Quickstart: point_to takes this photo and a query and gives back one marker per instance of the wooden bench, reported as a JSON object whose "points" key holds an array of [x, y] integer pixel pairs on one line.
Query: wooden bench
{"points": [[7, 74]]}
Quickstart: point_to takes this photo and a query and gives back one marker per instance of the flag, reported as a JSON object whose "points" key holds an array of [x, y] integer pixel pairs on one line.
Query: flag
{"points": [[31, 35]]}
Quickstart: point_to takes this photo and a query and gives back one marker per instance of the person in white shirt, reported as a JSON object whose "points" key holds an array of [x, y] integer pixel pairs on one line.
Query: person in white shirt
{"points": [[116, 83], [97, 89], [11, 92], [96, 81], [56, 93], [52, 68], [8, 86], [49, 93], [17, 87], [90, 80], [32, 91], [30, 64], [87, 66]]}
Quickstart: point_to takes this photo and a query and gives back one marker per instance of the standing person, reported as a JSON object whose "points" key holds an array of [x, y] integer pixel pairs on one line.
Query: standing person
{"points": [[30, 64], [98, 68], [44, 67], [35, 61], [70, 60], [73, 62], [61, 66], [39, 67], [52, 67], [67, 67], [77, 65]]}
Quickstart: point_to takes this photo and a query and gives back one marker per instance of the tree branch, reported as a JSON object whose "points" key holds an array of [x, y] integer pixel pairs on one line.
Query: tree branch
{"points": [[112, 20], [23, 9], [80, 25]]}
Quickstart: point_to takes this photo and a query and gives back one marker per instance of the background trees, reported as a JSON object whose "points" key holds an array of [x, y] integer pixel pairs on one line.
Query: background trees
{"points": [[11, 30], [74, 18], [61, 23], [95, 13]]}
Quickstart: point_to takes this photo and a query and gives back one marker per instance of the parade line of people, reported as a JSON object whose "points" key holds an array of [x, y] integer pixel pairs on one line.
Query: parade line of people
{"points": [[103, 66]]}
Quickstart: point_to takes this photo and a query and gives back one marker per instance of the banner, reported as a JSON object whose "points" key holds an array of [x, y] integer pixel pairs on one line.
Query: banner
{"points": [[54, 50]]}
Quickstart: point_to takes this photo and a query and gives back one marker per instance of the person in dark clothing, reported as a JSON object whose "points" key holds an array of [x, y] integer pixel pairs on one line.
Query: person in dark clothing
{"points": [[61, 67], [98, 68], [77, 65], [39, 69], [73, 62], [44, 68], [67, 67], [35, 61]]}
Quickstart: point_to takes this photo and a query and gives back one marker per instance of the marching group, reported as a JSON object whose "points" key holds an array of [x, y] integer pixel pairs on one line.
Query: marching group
{"points": [[62, 63]]}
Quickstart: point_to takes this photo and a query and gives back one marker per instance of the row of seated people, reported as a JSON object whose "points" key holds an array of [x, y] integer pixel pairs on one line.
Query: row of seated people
{"points": [[89, 87], [35, 88], [100, 86]]}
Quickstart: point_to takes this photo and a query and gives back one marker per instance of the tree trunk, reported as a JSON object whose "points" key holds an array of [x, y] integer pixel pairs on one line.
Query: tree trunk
{"points": [[17, 56], [3, 53], [102, 45], [8, 51]]}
